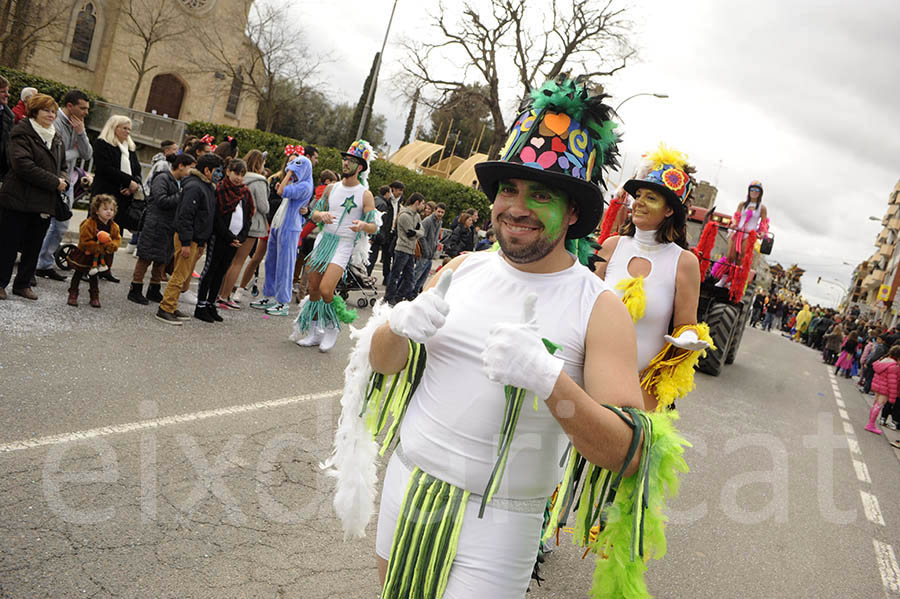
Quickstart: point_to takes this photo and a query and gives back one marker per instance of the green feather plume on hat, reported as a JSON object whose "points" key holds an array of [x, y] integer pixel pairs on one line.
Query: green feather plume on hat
{"points": [[572, 97]]}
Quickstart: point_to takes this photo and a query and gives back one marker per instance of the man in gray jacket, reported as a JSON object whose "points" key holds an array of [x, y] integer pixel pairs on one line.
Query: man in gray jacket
{"points": [[409, 232], [69, 124], [432, 228]]}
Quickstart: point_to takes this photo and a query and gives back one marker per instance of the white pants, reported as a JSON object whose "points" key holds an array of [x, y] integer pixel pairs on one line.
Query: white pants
{"points": [[496, 554]]}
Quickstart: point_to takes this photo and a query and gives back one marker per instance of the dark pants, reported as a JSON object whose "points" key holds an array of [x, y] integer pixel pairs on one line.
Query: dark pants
{"points": [[20, 231], [387, 252], [865, 378], [218, 258], [76, 280], [402, 279]]}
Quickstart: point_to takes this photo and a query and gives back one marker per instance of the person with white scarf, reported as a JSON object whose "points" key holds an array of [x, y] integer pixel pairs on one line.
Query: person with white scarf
{"points": [[117, 170], [29, 193]]}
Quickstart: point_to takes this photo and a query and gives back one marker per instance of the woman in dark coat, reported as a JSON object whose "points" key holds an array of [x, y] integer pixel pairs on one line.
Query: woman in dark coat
{"points": [[117, 170], [462, 239], [29, 193], [155, 245]]}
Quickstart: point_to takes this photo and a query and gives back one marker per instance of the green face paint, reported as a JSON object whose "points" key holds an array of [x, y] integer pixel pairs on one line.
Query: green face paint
{"points": [[550, 206]]}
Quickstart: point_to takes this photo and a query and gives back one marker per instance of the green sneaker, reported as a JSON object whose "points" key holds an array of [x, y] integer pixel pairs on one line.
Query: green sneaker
{"points": [[263, 304], [278, 310]]}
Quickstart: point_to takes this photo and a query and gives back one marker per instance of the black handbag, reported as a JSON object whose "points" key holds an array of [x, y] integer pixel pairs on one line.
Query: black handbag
{"points": [[62, 212], [134, 214]]}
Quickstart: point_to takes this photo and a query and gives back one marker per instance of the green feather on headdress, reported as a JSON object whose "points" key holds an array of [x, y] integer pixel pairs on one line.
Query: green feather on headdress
{"points": [[572, 97]]}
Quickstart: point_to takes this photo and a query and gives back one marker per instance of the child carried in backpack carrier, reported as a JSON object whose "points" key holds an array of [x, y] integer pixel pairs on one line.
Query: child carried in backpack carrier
{"points": [[98, 240]]}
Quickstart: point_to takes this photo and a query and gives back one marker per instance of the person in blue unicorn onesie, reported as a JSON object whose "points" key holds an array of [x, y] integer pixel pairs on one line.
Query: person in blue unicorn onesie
{"points": [[346, 217], [296, 190]]}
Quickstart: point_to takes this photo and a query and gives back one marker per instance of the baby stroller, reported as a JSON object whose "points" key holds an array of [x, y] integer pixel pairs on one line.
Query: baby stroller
{"points": [[356, 279], [82, 181]]}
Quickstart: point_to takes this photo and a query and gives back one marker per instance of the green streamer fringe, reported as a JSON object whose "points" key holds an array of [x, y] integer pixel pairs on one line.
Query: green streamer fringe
{"points": [[425, 539], [321, 256], [629, 511], [319, 311], [390, 394]]}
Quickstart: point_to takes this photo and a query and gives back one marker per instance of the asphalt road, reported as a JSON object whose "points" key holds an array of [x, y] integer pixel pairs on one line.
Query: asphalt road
{"points": [[140, 459]]}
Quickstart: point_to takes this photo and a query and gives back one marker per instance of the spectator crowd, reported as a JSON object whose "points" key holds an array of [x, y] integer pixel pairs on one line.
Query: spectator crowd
{"points": [[195, 201]]}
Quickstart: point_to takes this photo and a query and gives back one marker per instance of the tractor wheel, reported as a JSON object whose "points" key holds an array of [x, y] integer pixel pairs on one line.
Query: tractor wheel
{"points": [[738, 335], [722, 319]]}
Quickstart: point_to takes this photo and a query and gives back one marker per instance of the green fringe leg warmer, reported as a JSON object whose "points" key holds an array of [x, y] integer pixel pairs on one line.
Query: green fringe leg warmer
{"points": [[329, 314]]}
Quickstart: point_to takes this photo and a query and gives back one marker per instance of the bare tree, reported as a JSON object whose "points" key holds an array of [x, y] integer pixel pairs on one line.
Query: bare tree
{"points": [[273, 53], [534, 41], [26, 24], [152, 22]]}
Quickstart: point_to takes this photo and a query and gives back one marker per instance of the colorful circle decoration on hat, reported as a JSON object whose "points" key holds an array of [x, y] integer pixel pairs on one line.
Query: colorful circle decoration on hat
{"points": [[667, 171], [755, 183]]}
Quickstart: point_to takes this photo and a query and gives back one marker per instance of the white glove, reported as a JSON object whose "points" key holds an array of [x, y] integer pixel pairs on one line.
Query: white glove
{"points": [[515, 355], [421, 318], [688, 340]]}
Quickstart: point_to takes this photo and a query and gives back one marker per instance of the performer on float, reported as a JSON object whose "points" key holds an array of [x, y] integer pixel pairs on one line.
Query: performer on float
{"points": [[296, 190], [750, 222], [657, 278], [346, 214], [460, 517]]}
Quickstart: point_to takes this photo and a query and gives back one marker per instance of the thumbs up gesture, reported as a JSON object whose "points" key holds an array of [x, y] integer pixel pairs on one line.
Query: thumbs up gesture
{"points": [[516, 355], [421, 318]]}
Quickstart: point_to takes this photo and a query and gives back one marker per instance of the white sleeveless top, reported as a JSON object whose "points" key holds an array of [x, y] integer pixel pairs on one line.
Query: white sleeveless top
{"points": [[659, 287], [336, 199], [451, 428], [750, 219]]}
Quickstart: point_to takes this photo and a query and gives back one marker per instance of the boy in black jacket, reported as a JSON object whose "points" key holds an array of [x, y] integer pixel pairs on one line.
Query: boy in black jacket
{"points": [[231, 222], [193, 228]]}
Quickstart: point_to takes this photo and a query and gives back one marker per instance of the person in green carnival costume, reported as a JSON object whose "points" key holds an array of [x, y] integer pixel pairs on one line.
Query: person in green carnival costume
{"points": [[482, 426], [346, 216]]}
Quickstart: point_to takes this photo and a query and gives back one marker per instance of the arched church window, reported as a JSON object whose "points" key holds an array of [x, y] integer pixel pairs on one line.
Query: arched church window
{"points": [[83, 37]]}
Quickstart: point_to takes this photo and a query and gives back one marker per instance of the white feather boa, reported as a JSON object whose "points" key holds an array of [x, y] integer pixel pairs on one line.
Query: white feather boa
{"points": [[354, 459]]}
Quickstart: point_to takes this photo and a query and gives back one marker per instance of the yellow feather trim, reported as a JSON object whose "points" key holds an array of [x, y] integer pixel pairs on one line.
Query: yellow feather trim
{"points": [[634, 297], [670, 374], [666, 155]]}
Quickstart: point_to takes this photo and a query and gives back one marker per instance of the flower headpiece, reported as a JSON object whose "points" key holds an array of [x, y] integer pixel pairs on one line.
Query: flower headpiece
{"points": [[667, 171]]}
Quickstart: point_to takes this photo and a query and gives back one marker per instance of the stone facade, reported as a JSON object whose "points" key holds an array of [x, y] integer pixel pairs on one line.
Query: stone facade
{"points": [[94, 55]]}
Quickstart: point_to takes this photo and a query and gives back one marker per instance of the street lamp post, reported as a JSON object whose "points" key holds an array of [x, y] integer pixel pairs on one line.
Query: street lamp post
{"points": [[367, 109], [616, 109]]}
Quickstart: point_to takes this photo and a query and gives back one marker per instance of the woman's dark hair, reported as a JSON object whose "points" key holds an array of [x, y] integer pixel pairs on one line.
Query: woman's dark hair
{"points": [[748, 200], [226, 150], [672, 230], [894, 352], [236, 165]]}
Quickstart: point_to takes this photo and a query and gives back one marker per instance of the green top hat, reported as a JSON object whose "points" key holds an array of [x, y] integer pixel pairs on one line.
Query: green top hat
{"points": [[563, 137]]}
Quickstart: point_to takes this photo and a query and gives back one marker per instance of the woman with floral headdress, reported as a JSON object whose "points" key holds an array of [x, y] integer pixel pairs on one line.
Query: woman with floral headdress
{"points": [[657, 278]]}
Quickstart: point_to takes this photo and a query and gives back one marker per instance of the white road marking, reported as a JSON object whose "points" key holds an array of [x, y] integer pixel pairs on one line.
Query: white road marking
{"points": [[887, 564], [132, 427], [840, 402], [870, 505], [848, 428], [844, 414], [862, 472], [854, 446]]}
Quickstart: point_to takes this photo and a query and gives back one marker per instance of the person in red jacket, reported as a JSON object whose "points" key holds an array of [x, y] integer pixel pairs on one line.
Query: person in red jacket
{"points": [[19, 110], [884, 384]]}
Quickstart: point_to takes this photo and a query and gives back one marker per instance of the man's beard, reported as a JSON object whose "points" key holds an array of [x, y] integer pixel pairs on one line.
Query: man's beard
{"points": [[525, 254]]}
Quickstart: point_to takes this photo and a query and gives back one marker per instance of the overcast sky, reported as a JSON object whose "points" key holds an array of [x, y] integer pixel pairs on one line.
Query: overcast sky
{"points": [[800, 94]]}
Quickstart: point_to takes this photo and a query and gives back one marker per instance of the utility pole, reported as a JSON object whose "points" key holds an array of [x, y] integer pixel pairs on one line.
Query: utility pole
{"points": [[367, 109]]}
